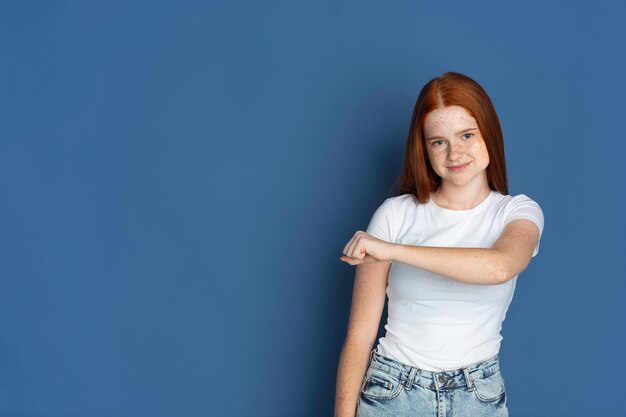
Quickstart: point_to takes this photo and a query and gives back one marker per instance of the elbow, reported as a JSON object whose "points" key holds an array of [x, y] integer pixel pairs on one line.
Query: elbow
{"points": [[507, 267], [505, 277], [508, 273], [358, 345], [504, 274], [361, 342], [498, 278]]}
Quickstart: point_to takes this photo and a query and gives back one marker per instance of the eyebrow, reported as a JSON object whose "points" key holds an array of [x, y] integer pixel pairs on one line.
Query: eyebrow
{"points": [[457, 133]]}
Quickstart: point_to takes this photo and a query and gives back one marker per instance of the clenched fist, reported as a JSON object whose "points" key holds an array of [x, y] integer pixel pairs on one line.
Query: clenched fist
{"points": [[364, 248]]}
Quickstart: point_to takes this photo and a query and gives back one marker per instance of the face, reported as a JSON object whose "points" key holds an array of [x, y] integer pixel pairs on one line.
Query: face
{"points": [[453, 139]]}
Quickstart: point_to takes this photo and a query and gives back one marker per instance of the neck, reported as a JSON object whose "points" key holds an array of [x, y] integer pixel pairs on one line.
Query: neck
{"points": [[460, 197]]}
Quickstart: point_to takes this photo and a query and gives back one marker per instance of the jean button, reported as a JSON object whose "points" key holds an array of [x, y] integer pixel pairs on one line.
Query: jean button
{"points": [[442, 379]]}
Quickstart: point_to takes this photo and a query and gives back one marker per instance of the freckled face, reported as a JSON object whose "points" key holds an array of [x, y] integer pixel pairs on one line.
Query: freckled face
{"points": [[453, 139]]}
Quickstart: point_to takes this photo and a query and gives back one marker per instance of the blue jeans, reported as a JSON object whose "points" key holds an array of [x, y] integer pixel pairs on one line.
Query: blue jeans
{"points": [[391, 388]]}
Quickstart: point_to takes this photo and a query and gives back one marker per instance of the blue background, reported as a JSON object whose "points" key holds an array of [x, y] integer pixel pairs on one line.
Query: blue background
{"points": [[178, 180]]}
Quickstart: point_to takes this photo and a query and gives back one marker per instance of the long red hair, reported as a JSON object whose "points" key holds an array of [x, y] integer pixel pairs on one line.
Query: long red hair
{"points": [[451, 89]]}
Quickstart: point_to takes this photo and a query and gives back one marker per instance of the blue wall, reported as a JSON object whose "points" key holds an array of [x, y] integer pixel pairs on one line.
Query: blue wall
{"points": [[178, 180]]}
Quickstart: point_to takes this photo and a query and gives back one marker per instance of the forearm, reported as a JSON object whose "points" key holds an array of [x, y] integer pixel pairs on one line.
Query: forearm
{"points": [[352, 367], [469, 265]]}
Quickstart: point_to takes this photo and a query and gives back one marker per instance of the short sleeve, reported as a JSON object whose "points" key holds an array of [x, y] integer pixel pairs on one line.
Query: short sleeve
{"points": [[381, 224], [523, 207]]}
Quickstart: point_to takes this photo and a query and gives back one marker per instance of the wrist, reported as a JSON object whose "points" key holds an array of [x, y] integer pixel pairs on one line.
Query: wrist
{"points": [[393, 252]]}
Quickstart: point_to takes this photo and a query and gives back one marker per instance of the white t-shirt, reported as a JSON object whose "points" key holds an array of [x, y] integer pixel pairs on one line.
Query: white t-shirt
{"points": [[434, 322]]}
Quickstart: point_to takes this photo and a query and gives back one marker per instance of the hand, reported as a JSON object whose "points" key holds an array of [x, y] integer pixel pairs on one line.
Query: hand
{"points": [[364, 248]]}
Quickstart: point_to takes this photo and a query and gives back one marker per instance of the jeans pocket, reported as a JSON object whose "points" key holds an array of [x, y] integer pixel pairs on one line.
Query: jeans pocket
{"points": [[380, 385], [489, 388]]}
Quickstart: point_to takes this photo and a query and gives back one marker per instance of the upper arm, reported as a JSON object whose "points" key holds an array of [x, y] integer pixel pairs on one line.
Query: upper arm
{"points": [[368, 301], [517, 243], [370, 282]]}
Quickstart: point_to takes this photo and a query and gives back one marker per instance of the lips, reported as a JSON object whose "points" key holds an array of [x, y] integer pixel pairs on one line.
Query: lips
{"points": [[459, 167]]}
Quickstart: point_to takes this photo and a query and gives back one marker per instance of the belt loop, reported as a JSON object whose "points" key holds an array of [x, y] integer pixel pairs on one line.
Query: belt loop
{"points": [[468, 379], [409, 382]]}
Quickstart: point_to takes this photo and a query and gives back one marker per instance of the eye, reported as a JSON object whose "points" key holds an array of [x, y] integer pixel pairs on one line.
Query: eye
{"points": [[470, 134], [436, 142]]}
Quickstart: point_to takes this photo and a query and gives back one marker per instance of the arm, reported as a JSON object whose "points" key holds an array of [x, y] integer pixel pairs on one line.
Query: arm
{"points": [[508, 257], [368, 301]]}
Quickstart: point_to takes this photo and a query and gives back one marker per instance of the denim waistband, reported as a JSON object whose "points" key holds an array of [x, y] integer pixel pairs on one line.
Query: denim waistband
{"points": [[410, 375]]}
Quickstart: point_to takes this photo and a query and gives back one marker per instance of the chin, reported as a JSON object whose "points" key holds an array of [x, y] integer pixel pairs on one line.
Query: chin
{"points": [[460, 181]]}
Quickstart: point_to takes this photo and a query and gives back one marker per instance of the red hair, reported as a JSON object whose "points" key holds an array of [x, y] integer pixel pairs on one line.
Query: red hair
{"points": [[451, 89]]}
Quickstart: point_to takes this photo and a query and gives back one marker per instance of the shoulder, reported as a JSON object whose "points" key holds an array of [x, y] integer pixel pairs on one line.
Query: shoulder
{"points": [[404, 205], [398, 203], [389, 216], [511, 201], [403, 201], [520, 200], [521, 206]]}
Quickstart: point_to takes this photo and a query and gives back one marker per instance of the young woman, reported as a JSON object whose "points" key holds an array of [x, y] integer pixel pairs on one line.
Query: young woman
{"points": [[447, 252]]}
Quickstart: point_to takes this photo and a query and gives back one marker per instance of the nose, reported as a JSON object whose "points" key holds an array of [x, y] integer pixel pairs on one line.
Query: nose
{"points": [[455, 153]]}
